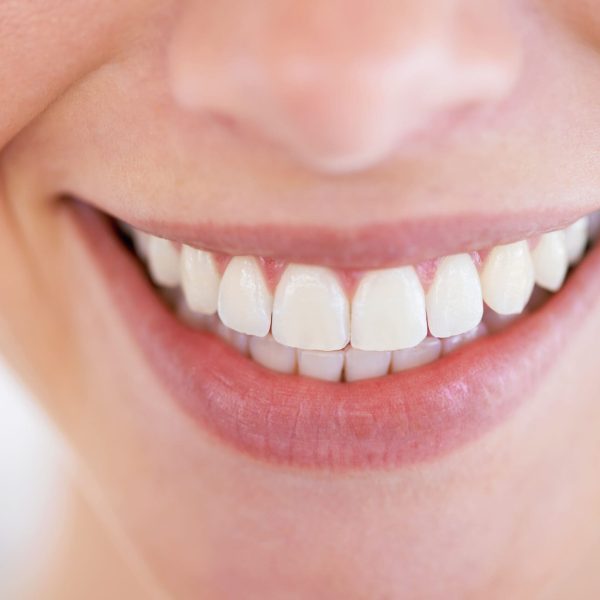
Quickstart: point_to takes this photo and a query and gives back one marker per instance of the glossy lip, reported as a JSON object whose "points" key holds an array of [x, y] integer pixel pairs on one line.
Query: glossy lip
{"points": [[372, 246], [388, 422]]}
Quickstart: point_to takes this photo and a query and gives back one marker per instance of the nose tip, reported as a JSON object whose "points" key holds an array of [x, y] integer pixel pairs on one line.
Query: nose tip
{"points": [[352, 116], [342, 101]]}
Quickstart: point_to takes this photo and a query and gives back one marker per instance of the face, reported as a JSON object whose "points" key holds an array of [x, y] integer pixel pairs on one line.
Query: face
{"points": [[364, 185]]}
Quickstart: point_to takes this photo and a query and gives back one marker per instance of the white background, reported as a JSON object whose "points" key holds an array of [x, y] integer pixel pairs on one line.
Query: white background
{"points": [[29, 485]]}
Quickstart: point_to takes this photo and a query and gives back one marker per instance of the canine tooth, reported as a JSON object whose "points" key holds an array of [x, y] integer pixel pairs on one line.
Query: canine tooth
{"points": [[327, 366], [576, 239], [507, 278], [455, 342], [163, 262], [454, 301], [244, 302], [551, 261], [274, 356], [362, 364], [311, 310], [427, 351], [388, 310], [200, 280]]}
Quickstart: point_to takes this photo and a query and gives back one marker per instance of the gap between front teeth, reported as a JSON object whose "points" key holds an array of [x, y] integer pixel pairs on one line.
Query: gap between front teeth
{"points": [[310, 324]]}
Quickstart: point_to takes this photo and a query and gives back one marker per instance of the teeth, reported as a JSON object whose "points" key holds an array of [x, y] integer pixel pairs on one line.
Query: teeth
{"points": [[245, 302], [311, 310], [194, 319], [267, 352], [551, 261], [200, 280], [140, 242], [388, 310], [238, 340], [327, 366], [454, 301], [507, 278], [311, 320], [576, 239], [163, 262], [361, 364], [427, 351], [455, 342]]}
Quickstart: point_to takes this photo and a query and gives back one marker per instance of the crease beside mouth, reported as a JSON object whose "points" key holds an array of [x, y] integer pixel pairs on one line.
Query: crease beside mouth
{"points": [[349, 325]]}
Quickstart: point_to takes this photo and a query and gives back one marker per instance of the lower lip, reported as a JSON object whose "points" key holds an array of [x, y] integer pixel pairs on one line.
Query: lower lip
{"points": [[400, 419]]}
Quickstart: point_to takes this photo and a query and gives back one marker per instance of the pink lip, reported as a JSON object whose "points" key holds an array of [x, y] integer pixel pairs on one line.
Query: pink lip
{"points": [[374, 245], [396, 420], [370, 247]]}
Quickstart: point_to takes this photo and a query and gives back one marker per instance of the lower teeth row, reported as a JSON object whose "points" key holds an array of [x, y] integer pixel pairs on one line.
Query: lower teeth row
{"points": [[349, 364]]}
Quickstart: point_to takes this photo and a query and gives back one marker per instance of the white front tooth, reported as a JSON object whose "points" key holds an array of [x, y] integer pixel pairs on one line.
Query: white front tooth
{"points": [[244, 299], [362, 364], [267, 352], [507, 278], [163, 262], [200, 280], [576, 239], [454, 301], [427, 351], [327, 366], [551, 261], [311, 310], [388, 310]]}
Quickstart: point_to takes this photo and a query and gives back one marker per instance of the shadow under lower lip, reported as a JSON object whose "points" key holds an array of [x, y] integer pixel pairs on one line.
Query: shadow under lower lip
{"points": [[388, 422]]}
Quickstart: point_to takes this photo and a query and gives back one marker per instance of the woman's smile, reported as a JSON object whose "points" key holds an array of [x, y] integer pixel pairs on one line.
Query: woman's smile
{"points": [[356, 369], [311, 291]]}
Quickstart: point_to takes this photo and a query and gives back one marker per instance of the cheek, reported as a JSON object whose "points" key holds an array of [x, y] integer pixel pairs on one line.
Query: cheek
{"points": [[47, 45]]}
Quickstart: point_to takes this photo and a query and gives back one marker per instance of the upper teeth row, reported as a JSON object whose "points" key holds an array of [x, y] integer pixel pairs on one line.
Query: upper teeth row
{"points": [[390, 309]]}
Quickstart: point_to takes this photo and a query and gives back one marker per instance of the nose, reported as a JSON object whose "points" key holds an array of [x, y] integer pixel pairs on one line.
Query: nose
{"points": [[342, 84]]}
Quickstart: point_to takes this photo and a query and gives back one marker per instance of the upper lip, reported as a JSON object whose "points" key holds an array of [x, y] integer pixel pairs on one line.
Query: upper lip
{"points": [[374, 245]]}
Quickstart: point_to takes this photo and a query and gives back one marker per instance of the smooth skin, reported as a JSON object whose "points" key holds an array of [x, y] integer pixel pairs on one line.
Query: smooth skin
{"points": [[297, 113]]}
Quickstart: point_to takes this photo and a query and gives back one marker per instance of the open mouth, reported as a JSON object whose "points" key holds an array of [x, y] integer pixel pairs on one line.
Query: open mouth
{"points": [[344, 325], [345, 368]]}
